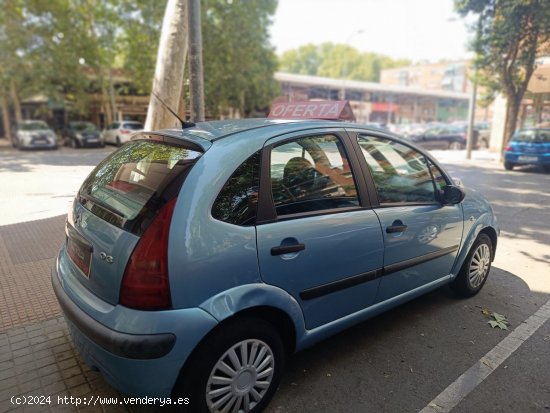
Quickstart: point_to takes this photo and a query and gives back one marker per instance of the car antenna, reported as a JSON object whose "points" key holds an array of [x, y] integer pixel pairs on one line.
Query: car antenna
{"points": [[184, 124]]}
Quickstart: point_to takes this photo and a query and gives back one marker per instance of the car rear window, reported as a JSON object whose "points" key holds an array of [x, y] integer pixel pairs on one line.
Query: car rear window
{"points": [[133, 183], [532, 136], [133, 126]]}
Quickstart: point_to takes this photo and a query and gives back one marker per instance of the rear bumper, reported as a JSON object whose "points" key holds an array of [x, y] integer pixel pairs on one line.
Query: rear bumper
{"points": [[140, 353], [520, 158], [132, 346]]}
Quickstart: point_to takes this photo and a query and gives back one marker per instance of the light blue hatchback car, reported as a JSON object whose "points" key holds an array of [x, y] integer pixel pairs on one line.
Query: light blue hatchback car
{"points": [[197, 259]]}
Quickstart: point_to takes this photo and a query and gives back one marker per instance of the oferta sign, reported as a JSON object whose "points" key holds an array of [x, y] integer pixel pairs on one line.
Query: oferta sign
{"points": [[322, 109]]}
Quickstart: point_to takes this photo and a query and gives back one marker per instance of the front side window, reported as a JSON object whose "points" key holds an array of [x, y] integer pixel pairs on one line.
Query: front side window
{"points": [[238, 200], [440, 181], [311, 174], [400, 173]]}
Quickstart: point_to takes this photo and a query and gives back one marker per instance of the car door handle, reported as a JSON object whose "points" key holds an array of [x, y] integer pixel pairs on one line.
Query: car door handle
{"points": [[396, 228], [287, 249]]}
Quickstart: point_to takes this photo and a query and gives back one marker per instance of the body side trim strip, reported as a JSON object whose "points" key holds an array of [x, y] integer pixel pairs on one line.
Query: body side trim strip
{"points": [[354, 280], [401, 265]]}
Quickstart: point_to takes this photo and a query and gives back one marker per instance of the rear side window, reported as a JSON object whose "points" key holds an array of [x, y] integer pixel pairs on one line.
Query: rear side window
{"points": [[532, 136], [237, 202], [132, 184]]}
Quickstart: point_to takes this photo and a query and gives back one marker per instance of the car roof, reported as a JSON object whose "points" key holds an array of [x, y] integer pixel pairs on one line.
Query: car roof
{"points": [[215, 130]]}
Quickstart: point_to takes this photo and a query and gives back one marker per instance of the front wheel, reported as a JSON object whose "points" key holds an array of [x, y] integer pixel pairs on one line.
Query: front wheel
{"points": [[117, 142], [237, 368], [483, 144], [475, 269]]}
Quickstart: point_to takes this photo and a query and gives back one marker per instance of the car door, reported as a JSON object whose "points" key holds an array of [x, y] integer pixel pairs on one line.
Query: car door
{"points": [[316, 237], [111, 132], [421, 235]]}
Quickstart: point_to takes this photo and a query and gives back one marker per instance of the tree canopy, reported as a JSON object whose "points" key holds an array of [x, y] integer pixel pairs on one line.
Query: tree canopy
{"points": [[509, 36], [338, 61], [65, 49]]}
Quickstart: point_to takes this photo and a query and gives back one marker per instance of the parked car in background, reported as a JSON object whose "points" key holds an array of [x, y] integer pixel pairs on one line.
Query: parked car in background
{"points": [[441, 137], [30, 134], [377, 125], [484, 134], [80, 134], [118, 133], [196, 260], [528, 147]]}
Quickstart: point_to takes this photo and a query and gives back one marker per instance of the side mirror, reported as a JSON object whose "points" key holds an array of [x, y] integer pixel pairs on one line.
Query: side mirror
{"points": [[452, 194]]}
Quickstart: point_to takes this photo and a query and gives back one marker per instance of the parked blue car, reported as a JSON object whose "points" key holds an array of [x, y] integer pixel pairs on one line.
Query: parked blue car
{"points": [[528, 147], [196, 260]]}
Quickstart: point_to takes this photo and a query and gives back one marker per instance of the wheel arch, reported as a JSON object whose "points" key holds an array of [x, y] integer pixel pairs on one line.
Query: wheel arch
{"points": [[228, 308], [481, 227], [270, 303]]}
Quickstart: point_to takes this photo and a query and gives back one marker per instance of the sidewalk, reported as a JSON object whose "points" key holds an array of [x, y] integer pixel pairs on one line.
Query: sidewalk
{"points": [[37, 357]]}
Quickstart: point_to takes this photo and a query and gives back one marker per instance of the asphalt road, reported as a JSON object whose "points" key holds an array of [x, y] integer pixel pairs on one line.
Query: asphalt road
{"points": [[402, 360]]}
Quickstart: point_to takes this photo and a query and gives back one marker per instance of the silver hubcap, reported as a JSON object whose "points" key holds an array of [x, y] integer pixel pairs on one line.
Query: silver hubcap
{"points": [[240, 378], [479, 265]]}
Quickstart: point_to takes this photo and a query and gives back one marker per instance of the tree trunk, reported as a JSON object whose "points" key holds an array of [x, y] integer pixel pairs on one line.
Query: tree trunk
{"points": [[512, 112], [5, 117], [15, 101], [168, 80]]}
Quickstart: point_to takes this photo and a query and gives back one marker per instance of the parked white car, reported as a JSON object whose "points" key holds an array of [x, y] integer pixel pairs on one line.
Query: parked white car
{"points": [[118, 133], [29, 134]]}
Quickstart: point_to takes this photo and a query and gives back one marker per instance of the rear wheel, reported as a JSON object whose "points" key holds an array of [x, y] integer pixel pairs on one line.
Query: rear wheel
{"points": [[483, 144], [118, 143], [455, 145], [475, 269], [508, 166], [237, 368]]}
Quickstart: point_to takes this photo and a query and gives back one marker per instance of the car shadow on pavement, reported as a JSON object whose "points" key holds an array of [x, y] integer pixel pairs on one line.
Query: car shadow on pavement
{"points": [[523, 209], [399, 360]]}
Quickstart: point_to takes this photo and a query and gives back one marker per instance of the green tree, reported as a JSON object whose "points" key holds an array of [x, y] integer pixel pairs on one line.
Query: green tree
{"points": [[337, 61], [508, 37], [238, 60]]}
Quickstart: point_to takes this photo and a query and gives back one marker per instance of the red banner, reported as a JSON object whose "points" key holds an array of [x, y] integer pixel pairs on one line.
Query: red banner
{"points": [[331, 109]]}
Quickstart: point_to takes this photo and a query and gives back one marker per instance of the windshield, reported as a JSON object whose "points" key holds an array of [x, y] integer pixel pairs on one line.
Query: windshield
{"points": [[136, 181], [532, 135], [37, 125], [83, 126], [133, 126]]}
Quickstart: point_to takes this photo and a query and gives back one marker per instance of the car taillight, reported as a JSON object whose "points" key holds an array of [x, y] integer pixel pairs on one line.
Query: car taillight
{"points": [[145, 283], [508, 148], [125, 131]]}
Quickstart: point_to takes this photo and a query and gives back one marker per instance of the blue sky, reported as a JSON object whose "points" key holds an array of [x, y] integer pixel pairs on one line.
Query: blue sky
{"points": [[414, 29]]}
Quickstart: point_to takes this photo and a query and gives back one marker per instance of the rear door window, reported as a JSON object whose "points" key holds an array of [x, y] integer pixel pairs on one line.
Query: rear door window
{"points": [[311, 174], [129, 187]]}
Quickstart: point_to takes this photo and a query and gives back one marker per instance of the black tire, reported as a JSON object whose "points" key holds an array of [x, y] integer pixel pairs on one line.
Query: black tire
{"points": [[467, 283], [455, 146], [194, 378], [508, 166], [74, 144], [483, 144], [118, 143]]}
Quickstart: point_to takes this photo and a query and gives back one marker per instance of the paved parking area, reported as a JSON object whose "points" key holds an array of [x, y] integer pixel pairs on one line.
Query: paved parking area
{"points": [[398, 361]]}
